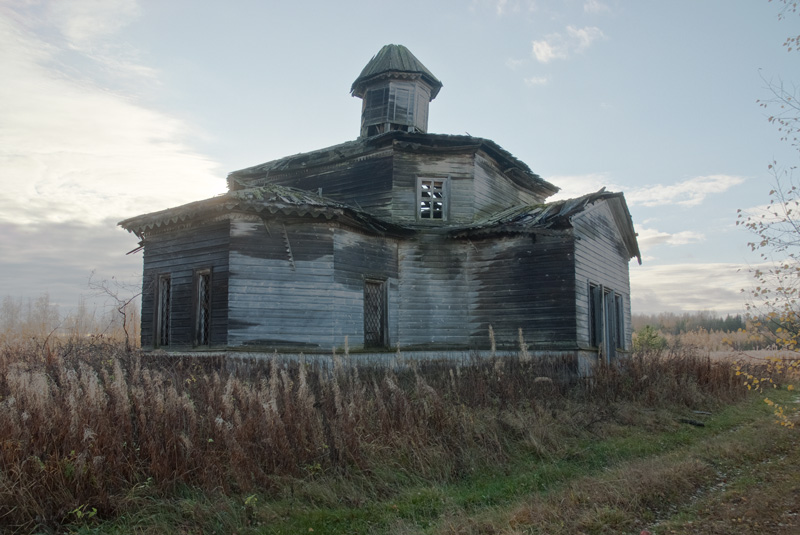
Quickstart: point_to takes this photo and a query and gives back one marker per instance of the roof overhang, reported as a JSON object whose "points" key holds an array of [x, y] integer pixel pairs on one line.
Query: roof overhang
{"points": [[266, 201]]}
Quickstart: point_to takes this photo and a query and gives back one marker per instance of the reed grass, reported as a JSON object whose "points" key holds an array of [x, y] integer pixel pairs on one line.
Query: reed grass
{"points": [[90, 429]]}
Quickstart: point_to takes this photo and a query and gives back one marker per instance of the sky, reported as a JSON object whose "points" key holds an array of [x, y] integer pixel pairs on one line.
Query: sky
{"points": [[114, 108]]}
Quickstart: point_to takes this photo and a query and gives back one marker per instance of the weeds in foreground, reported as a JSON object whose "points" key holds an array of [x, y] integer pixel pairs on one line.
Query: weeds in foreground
{"points": [[772, 373], [91, 430]]}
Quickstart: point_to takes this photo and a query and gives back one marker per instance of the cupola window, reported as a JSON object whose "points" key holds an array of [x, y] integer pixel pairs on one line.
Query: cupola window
{"points": [[389, 108], [396, 89]]}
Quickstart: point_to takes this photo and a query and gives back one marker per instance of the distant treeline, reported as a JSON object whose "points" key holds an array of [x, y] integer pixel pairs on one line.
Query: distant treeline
{"points": [[672, 323]]}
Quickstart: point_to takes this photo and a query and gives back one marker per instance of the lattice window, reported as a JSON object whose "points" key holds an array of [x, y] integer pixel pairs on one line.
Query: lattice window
{"points": [[374, 313], [432, 199], [203, 310], [163, 312]]}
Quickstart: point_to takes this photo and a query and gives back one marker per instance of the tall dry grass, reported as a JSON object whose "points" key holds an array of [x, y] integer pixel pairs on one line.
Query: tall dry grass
{"points": [[88, 426]]}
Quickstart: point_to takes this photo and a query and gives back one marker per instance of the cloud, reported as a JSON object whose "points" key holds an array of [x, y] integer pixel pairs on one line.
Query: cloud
{"points": [[559, 46], [545, 52], [690, 192], [84, 22], [577, 185], [501, 7], [713, 287], [648, 237], [71, 150], [534, 81], [595, 6], [76, 156], [773, 213], [30, 253], [514, 64]]}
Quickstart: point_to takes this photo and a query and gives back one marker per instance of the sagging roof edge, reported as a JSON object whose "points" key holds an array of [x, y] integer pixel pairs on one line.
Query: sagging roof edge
{"points": [[267, 200], [524, 219], [360, 147]]}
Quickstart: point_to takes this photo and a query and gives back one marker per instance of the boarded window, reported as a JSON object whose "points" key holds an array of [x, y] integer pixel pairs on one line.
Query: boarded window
{"points": [[163, 310], [595, 315], [432, 199], [375, 314], [610, 332], [202, 282], [620, 313], [606, 320]]}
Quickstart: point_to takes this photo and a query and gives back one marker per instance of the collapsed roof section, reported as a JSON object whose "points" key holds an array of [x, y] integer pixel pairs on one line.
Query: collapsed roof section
{"points": [[555, 215]]}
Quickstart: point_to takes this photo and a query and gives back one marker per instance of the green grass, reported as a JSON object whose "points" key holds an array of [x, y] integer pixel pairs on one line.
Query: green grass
{"points": [[484, 498]]}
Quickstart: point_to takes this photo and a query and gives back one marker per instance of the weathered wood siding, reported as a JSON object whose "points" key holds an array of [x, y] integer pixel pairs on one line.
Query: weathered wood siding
{"points": [[364, 184], [493, 191], [357, 258], [409, 166], [523, 282], [434, 309], [280, 289], [602, 259], [477, 187], [178, 254]]}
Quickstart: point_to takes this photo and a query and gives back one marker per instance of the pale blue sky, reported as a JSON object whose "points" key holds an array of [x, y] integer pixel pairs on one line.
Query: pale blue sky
{"points": [[112, 108]]}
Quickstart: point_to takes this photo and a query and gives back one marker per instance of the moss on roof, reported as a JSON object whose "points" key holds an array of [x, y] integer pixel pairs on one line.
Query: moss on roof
{"points": [[394, 58]]}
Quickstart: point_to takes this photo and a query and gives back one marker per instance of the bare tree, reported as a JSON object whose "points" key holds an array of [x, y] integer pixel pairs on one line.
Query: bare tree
{"points": [[124, 298], [777, 228]]}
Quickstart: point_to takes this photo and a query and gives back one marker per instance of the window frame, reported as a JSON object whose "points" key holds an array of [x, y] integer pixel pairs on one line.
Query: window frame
{"points": [[596, 334], [606, 317], [383, 333], [619, 309], [202, 305], [445, 198], [162, 334]]}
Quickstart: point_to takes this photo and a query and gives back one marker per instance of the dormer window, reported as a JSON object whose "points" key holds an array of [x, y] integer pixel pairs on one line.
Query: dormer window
{"points": [[432, 199]]}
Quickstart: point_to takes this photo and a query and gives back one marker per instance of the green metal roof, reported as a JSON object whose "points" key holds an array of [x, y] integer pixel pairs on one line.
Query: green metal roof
{"points": [[394, 59]]}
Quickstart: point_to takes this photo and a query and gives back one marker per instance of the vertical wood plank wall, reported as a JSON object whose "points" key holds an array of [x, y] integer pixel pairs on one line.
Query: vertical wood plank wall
{"points": [[178, 254], [600, 258]]}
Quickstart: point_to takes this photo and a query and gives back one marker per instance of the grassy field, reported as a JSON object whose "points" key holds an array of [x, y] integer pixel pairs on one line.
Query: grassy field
{"points": [[97, 440]]}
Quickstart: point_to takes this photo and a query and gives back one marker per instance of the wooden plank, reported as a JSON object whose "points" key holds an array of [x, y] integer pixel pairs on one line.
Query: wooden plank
{"points": [[601, 258], [179, 254]]}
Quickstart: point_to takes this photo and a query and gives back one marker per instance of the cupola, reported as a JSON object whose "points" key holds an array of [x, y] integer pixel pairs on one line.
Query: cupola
{"points": [[396, 89]]}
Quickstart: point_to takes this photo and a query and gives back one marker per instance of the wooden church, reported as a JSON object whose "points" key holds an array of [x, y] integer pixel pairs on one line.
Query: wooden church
{"points": [[400, 239]]}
